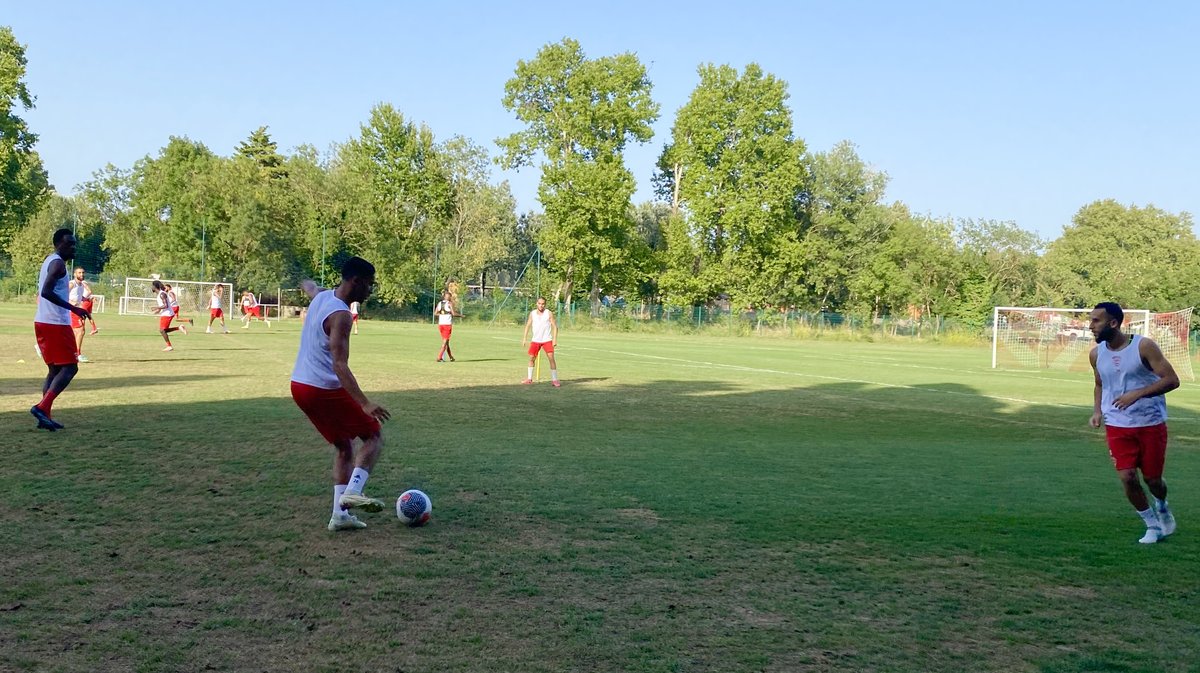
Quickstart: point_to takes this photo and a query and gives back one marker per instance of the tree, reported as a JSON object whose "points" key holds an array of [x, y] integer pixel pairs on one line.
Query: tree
{"points": [[842, 212], [24, 185], [1137, 257], [734, 168], [264, 152], [396, 195], [483, 219], [580, 114]]}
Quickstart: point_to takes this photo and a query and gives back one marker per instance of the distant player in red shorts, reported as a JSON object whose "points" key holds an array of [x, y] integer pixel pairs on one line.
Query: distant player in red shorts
{"points": [[165, 315], [174, 302], [75, 294], [216, 308], [354, 315], [544, 338], [1132, 379], [326, 391], [52, 328], [251, 309], [446, 314]]}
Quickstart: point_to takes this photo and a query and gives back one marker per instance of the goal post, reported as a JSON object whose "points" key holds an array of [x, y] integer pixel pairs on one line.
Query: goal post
{"points": [[1025, 337], [142, 299]]}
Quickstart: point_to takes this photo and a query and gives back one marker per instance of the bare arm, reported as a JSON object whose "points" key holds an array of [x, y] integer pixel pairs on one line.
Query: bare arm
{"points": [[525, 332], [337, 325], [57, 270], [1098, 394], [553, 329], [1167, 381]]}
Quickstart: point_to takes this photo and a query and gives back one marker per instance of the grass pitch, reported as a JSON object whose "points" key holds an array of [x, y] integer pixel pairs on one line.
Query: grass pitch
{"points": [[682, 503]]}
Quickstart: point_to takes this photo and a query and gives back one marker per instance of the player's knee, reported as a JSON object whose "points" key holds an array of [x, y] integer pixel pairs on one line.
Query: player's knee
{"points": [[1129, 478], [1155, 482]]}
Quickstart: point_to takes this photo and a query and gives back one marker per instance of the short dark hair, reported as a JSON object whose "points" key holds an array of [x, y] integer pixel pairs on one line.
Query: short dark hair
{"points": [[357, 267], [1113, 309], [61, 234]]}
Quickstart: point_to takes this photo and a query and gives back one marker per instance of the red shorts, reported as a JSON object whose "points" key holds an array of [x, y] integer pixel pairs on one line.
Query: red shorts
{"points": [[215, 313], [445, 330], [547, 346], [76, 321], [175, 309], [164, 321], [86, 305], [252, 310], [334, 413], [56, 343], [1144, 448]]}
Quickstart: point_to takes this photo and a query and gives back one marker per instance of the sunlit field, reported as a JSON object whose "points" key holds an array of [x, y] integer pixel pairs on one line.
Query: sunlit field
{"points": [[682, 503]]}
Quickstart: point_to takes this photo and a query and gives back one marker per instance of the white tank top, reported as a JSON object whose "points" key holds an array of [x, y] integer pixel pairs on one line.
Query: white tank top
{"points": [[49, 313], [541, 327], [445, 318], [76, 292], [1120, 372], [314, 362], [172, 300], [214, 301], [164, 305]]}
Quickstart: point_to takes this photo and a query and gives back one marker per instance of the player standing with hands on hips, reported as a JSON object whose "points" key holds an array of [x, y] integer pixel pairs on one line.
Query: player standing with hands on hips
{"points": [[544, 337], [326, 391], [1132, 378]]}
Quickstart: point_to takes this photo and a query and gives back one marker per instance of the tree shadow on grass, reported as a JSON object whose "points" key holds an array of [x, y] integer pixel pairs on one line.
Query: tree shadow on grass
{"points": [[32, 387], [618, 524]]}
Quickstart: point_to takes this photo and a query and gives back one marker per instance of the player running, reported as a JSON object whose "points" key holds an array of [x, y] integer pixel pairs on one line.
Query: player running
{"points": [[545, 337], [174, 302], [1132, 378], [216, 304], [326, 391], [251, 309], [165, 315], [354, 315]]}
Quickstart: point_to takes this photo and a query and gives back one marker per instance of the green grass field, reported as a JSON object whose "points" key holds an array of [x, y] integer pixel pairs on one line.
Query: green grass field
{"points": [[682, 503]]}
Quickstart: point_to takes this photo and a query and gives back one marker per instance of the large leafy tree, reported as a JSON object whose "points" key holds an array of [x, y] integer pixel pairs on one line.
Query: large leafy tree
{"points": [[579, 115], [1141, 257], [734, 168], [24, 185], [396, 195], [483, 220], [844, 221]]}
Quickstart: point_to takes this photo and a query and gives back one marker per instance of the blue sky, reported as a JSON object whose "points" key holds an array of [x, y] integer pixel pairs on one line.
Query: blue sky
{"points": [[1021, 111]]}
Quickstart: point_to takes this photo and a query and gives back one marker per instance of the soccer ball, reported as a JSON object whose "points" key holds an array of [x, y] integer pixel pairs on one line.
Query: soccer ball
{"points": [[413, 508]]}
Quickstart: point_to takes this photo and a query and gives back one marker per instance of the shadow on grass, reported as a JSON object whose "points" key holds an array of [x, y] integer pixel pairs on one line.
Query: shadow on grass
{"points": [[32, 387], [671, 525]]}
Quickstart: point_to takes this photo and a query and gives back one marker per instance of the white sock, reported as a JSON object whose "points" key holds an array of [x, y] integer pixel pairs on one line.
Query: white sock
{"points": [[530, 377], [1149, 517], [358, 480], [1160, 505], [553, 374], [338, 490]]}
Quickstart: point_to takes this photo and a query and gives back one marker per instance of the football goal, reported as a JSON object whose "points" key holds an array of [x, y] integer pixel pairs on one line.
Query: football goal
{"points": [[1060, 338], [141, 298]]}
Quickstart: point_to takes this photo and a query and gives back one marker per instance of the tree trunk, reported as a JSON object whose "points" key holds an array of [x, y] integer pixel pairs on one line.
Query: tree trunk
{"points": [[675, 189], [594, 295]]}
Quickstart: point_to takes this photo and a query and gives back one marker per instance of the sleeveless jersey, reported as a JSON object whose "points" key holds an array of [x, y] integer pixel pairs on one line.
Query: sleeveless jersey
{"points": [[445, 318], [214, 300], [164, 305], [314, 362], [1120, 372], [47, 312], [541, 327], [76, 294]]}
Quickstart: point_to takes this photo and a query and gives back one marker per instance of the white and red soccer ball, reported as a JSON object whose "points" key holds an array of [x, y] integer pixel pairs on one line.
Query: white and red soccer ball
{"points": [[413, 508]]}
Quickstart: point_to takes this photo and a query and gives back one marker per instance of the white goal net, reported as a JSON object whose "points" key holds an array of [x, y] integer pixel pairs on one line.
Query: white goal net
{"points": [[1060, 338], [141, 298]]}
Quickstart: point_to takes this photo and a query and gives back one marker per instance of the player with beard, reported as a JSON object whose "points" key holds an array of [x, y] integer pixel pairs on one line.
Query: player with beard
{"points": [[1132, 379]]}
